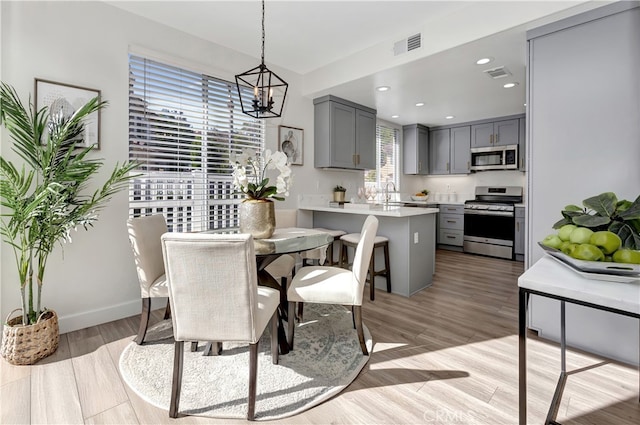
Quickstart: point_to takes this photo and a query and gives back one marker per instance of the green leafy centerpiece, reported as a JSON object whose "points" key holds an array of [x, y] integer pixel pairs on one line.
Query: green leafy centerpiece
{"points": [[604, 229]]}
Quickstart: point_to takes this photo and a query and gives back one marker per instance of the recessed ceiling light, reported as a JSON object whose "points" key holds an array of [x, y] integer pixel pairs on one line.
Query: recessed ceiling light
{"points": [[395, 116], [510, 85], [449, 117], [483, 61], [420, 104], [383, 88]]}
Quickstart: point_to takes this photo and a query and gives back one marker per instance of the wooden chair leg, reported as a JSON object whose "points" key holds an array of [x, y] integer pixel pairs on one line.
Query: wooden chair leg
{"points": [[212, 349], [291, 323], [274, 339], [167, 311], [359, 328], [177, 378], [387, 267], [372, 276], [253, 375], [353, 316], [300, 311], [144, 320], [329, 261]]}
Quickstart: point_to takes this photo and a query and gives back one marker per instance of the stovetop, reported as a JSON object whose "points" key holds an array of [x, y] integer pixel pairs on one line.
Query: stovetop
{"points": [[495, 198]]}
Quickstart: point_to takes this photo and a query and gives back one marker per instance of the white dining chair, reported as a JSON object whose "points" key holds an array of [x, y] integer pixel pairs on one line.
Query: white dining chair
{"points": [[144, 235], [214, 296], [334, 285]]}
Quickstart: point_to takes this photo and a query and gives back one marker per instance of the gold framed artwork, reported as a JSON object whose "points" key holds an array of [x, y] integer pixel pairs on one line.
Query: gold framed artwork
{"points": [[291, 142], [66, 99]]}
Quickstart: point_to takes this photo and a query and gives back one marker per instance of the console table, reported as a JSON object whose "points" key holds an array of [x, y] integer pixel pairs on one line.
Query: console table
{"points": [[548, 278]]}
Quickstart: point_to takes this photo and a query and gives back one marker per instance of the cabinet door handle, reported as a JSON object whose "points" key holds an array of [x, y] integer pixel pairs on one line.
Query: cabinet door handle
{"points": [[354, 159], [497, 136], [517, 226], [521, 162], [468, 165], [491, 139], [451, 221], [451, 237], [358, 158], [447, 166]]}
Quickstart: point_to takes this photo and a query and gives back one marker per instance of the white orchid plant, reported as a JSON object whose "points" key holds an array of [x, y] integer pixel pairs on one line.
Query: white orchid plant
{"points": [[250, 174]]}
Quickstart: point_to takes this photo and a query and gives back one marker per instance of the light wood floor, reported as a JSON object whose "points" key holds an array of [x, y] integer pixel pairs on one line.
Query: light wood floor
{"points": [[447, 355]]}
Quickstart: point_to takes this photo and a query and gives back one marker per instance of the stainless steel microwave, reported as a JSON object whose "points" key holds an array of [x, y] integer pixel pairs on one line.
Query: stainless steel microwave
{"points": [[494, 158]]}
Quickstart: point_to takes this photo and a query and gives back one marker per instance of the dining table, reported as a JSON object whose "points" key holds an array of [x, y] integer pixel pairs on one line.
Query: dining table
{"points": [[286, 240]]}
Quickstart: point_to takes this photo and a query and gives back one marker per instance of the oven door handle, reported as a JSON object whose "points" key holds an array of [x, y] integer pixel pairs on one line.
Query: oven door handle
{"points": [[485, 212]]}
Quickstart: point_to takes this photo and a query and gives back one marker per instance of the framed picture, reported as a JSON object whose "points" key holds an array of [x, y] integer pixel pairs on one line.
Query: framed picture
{"points": [[290, 141], [66, 99]]}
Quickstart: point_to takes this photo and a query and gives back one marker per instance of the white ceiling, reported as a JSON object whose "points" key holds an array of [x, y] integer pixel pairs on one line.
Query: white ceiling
{"points": [[344, 48]]}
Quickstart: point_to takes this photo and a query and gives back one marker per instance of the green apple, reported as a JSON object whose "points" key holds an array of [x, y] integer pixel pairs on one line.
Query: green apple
{"points": [[565, 231], [607, 241], [564, 246], [568, 248], [626, 256], [580, 235], [588, 252], [552, 241]]}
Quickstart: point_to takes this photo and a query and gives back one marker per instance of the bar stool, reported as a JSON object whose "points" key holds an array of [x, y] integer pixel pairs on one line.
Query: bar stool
{"points": [[315, 254], [351, 240]]}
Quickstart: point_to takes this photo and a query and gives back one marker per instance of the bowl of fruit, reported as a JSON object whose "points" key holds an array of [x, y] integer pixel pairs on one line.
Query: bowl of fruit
{"points": [[420, 196], [602, 237]]}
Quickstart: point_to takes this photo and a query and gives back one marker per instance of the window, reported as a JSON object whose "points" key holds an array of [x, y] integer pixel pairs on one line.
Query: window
{"points": [[182, 128], [387, 154]]}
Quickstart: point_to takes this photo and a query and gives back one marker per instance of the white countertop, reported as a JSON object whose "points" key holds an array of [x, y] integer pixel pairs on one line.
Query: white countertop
{"points": [[549, 276], [366, 209]]}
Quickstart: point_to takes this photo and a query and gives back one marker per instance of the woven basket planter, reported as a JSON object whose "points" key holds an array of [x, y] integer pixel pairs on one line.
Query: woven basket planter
{"points": [[25, 345]]}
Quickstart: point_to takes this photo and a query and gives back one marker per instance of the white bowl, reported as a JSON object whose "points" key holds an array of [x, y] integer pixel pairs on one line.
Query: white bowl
{"points": [[419, 198]]}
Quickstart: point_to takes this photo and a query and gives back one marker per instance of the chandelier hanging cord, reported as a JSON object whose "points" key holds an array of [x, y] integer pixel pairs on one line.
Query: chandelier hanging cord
{"points": [[263, 32]]}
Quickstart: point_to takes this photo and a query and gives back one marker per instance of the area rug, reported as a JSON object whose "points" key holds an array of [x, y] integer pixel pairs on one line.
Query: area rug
{"points": [[326, 358]]}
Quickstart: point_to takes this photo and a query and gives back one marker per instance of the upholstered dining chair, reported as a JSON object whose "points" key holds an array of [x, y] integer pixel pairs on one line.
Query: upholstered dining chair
{"points": [[214, 296], [144, 235], [334, 285]]}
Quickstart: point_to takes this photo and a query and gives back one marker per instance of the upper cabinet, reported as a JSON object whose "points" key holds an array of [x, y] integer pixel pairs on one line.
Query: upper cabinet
{"points": [[498, 133], [344, 134], [415, 144], [449, 150]]}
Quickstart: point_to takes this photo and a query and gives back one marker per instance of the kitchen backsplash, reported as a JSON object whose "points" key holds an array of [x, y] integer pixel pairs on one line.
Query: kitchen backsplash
{"points": [[463, 185]]}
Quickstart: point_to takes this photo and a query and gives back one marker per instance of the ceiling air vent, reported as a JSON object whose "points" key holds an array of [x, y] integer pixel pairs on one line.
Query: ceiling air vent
{"points": [[407, 44], [498, 72]]}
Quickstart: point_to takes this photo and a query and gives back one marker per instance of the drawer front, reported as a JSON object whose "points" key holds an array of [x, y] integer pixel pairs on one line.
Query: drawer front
{"points": [[451, 237], [451, 209], [452, 221]]}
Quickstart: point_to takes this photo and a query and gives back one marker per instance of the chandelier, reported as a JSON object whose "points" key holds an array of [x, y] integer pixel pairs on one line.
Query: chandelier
{"points": [[269, 91]]}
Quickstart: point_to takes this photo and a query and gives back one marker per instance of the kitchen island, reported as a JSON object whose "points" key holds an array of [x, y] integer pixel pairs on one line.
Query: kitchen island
{"points": [[412, 239]]}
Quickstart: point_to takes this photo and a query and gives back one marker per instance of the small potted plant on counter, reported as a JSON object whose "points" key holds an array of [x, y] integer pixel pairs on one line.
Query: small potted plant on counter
{"points": [[338, 193]]}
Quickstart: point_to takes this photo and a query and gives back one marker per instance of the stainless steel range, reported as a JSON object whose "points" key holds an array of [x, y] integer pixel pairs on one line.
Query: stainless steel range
{"points": [[489, 221]]}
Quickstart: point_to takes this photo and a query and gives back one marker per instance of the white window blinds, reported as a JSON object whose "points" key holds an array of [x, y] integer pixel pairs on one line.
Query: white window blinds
{"points": [[387, 153], [182, 128]]}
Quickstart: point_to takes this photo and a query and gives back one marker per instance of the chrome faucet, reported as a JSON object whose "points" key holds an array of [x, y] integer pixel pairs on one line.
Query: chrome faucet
{"points": [[386, 192]]}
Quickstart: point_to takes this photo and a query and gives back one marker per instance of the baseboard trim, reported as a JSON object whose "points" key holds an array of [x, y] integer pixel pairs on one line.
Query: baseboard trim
{"points": [[86, 319]]}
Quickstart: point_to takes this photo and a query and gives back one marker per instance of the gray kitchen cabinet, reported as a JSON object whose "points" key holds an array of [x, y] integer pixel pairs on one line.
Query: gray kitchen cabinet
{"points": [[498, 133], [415, 144], [344, 134], [460, 152], [439, 149], [450, 226], [518, 244], [449, 151], [522, 145]]}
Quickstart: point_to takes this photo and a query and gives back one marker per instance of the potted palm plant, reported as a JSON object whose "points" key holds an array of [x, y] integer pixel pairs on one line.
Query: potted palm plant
{"points": [[43, 201]]}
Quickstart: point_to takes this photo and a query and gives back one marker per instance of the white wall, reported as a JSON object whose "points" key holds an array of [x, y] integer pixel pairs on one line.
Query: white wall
{"points": [[93, 279], [584, 139]]}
